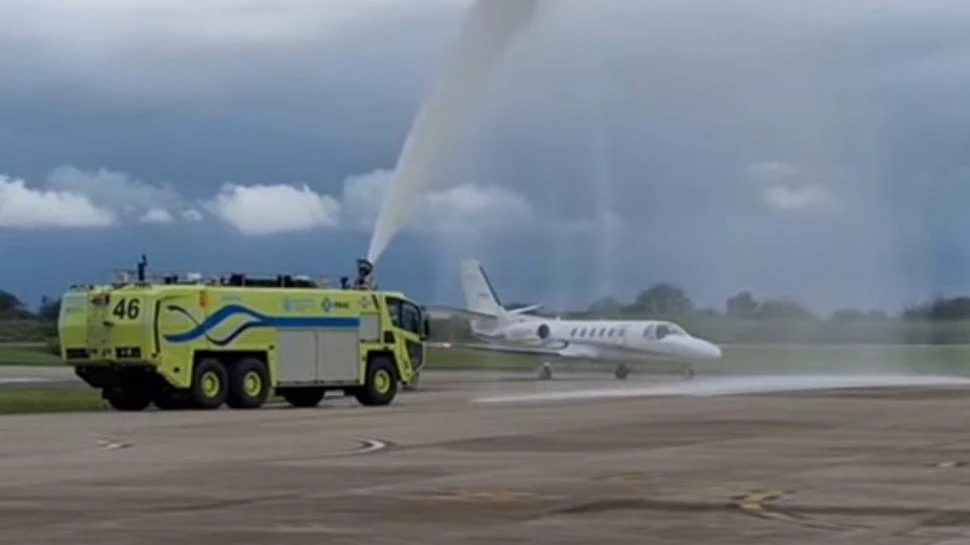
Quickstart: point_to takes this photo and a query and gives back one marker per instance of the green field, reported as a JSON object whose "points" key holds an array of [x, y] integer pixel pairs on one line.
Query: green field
{"points": [[27, 354], [49, 399]]}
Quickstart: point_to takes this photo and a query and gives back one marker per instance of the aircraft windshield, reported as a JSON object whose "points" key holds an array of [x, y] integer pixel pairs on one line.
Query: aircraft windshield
{"points": [[674, 329], [665, 329]]}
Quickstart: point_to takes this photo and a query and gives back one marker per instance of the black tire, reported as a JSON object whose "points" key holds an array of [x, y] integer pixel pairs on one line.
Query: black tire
{"points": [[248, 384], [380, 386], [303, 397], [169, 399], [210, 384], [127, 399]]}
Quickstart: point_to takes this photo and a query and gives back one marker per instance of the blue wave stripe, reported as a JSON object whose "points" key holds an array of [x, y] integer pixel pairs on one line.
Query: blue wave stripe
{"points": [[261, 320]]}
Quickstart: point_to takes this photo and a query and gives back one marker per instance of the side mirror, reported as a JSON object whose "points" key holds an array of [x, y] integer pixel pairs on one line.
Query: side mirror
{"points": [[427, 328]]}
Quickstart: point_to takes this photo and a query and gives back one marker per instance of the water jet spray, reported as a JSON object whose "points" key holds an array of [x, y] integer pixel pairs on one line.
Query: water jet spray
{"points": [[485, 36]]}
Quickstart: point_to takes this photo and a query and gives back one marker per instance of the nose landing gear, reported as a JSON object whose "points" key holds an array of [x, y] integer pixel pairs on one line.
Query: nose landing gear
{"points": [[545, 371], [622, 371]]}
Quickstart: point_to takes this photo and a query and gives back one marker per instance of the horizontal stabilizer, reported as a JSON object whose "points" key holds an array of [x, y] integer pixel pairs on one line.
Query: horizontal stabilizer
{"points": [[524, 310], [445, 312]]}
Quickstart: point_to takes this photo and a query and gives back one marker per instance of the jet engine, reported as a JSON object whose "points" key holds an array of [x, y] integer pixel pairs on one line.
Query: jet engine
{"points": [[528, 332]]}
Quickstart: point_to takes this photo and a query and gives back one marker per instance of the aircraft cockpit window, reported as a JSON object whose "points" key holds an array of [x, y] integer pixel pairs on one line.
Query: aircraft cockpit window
{"points": [[675, 329], [663, 330]]}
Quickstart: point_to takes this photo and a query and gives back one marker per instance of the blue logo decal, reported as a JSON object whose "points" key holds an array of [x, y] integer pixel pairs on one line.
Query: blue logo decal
{"points": [[257, 319]]}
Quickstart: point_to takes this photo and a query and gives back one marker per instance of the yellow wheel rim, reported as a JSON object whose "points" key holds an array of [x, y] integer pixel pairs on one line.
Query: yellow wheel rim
{"points": [[382, 381], [252, 383], [210, 384]]}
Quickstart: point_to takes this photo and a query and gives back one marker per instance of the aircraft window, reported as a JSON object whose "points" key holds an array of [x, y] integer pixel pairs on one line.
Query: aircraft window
{"points": [[662, 331], [676, 330], [573, 333], [611, 331], [621, 332], [648, 331]]}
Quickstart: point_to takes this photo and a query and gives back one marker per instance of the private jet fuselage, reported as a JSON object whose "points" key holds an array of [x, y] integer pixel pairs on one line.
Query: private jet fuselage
{"points": [[619, 341], [600, 339]]}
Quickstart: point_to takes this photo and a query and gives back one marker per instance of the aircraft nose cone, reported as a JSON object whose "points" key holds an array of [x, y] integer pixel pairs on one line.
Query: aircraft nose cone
{"points": [[707, 350], [697, 349], [714, 351]]}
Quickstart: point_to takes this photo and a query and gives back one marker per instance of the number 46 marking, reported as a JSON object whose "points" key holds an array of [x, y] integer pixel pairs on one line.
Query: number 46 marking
{"points": [[127, 309]]}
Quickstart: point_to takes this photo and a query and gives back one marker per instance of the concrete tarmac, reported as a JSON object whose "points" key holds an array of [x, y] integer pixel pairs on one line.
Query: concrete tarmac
{"points": [[880, 466]]}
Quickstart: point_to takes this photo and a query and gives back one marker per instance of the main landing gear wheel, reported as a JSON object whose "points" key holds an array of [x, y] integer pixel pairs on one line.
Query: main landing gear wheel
{"points": [[545, 372], [622, 371], [688, 372]]}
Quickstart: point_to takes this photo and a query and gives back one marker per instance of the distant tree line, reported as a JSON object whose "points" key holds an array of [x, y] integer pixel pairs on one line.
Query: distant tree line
{"points": [[743, 319], [19, 323]]}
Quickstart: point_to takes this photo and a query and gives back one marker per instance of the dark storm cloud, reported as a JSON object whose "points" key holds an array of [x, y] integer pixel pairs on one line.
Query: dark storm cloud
{"points": [[664, 115]]}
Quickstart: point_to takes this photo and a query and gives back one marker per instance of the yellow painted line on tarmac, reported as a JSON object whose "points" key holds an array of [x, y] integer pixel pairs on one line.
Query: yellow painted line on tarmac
{"points": [[753, 503]]}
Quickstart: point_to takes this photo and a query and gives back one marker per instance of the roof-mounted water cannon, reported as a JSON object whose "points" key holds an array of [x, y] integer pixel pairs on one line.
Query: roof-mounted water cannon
{"points": [[365, 275]]}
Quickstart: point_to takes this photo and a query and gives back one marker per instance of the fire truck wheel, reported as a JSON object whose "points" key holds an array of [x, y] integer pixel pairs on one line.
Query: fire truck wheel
{"points": [[210, 384], [381, 385], [248, 384]]}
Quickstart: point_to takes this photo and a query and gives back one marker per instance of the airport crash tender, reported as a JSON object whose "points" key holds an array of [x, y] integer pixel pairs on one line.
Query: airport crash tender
{"points": [[186, 341]]}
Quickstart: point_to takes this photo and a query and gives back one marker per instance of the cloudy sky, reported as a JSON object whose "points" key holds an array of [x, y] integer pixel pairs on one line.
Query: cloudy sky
{"points": [[814, 148]]}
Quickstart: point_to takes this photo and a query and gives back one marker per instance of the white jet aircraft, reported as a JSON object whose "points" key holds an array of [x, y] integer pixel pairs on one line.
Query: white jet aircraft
{"points": [[618, 341]]}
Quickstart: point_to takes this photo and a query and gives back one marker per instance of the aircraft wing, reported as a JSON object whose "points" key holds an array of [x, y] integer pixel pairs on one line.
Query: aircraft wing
{"points": [[503, 349]]}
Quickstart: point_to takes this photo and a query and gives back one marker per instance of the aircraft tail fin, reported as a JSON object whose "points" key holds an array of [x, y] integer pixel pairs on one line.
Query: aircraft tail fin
{"points": [[483, 303], [480, 297]]}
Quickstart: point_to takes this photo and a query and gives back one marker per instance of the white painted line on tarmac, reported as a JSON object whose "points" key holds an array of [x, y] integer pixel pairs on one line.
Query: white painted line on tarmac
{"points": [[25, 380]]}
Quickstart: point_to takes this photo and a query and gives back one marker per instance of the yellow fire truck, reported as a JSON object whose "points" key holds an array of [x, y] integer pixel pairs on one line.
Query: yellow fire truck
{"points": [[188, 341]]}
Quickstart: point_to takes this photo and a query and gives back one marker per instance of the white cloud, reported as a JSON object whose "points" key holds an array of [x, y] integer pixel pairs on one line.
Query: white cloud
{"points": [[472, 208], [73, 198], [273, 209], [798, 198], [457, 209], [22, 207], [115, 190], [158, 215], [785, 188]]}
